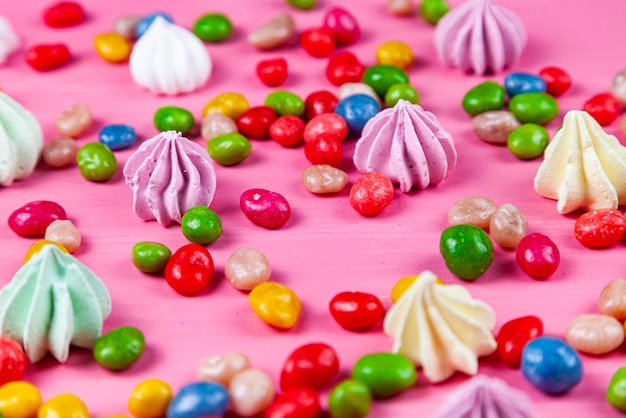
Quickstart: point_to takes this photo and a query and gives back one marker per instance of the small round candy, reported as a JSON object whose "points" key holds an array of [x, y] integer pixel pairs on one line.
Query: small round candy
{"points": [[190, 269], [222, 368], [230, 104], [112, 47], [397, 53], [144, 23], [274, 33], [323, 178], [173, 118], [356, 110], [433, 10], [119, 348], [19, 399], [604, 108], [96, 162], [356, 310], [371, 193], [247, 268], [64, 232], [558, 81], [312, 365], [33, 218], [508, 225], [229, 148], [149, 399], [285, 103], [514, 335], [349, 399], [250, 392], [265, 208], [343, 25], [64, 14], [612, 299], [519, 82], [385, 374], [64, 405], [255, 122], [74, 120], [401, 91], [125, 25], [528, 141], [201, 225], [275, 304], [382, 76], [272, 72], [13, 363], [215, 124], [536, 107], [594, 334], [324, 149], [60, 152], [467, 250], [287, 130], [495, 126], [537, 255], [484, 97], [600, 228], [150, 257], [551, 365], [319, 102], [295, 403], [199, 399], [46, 57], [38, 245], [213, 27], [117, 137], [473, 210], [616, 391], [317, 42], [344, 67], [329, 123]]}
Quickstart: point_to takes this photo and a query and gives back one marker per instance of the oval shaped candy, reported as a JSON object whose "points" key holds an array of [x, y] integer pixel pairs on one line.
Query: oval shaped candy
{"points": [[311, 365], [382, 76], [149, 399], [229, 148], [190, 269], [519, 82], [349, 399], [200, 399], [265, 208], [173, 118], [356, 310], [484, 97], [467, 250], [594, 333], [33, 218], [117, 137], [385, 374], [120, 348], [295, 403], [275, 304], [514, 335], [96, 162], [551, 365], [539, 108]]}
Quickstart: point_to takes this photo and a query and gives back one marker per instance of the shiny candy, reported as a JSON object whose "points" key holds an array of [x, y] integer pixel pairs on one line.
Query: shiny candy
{"points": [[317, 42], [514, 335], [508, 225], [537, 255], [539, 108], [112, 47], [323, 178], [255, 122], [12, 361], [385, 374], [65, 233], [349, 399], [356, 310], [528, 141], [33, 218], [551, 365], [173, 118], [324, 150], [201, 225], [229, 148], [274, 33], [215, 124], [213, 27], [117, 137], [150, 399], [150, 257], [46, 57], [371, 193], [272, 72], [604, 108], [287, 130], [144, 23], [230, 104], [190, 269], [382, 76], [401, 7], [60, 152], [616, 391], [433, 10], [19, 400], [467, 250], [344, 67], [594, 334], [318, 102], [473, 210], [285, 103], [356, 110], [120, 348], [312, 365], [600, 228], [199, 399], [612, 300], [247, 268], [484, 97], [222, 368], [250, 392], [397, 53], [329, 123], [265, 208], [96, 162], [64, 14], [295, 403], [74, 120], [558, 81], [401, 91], [275, 304], [343, 25], [350, 89], [495, 126], [64, 405], [518, 82]]}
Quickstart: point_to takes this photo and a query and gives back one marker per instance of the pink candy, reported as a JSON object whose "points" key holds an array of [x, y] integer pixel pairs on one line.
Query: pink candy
{"points": [[343, 25], [265, 208], [33, 218]]}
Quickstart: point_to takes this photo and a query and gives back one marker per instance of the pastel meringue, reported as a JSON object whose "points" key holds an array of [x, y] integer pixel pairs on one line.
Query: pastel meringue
{"points": [[169, 174], [407, 144], [487, 397], [480, 35], [52, 302], [440, 328], [21, 141], [169, 59], [9, 40], [583, 166]]}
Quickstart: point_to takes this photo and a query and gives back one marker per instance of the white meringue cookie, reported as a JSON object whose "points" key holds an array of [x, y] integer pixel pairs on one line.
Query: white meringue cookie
{"points": [[9, 41]]}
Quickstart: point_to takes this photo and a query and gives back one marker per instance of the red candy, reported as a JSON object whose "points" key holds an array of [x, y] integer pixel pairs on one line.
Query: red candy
{"points": [[514, 335], [537, 255], [604, 108], [295, 403], [557, 80], [33, 218], [344, 67], [12, 361], [63, 14], [343, 25], [318, 42], [47, 57], [190, 269], [256, 121], [273, 72], [331, 123], [265, 208], [600, 228], [287, 130], [309, 366], [324, 149], [371, 193], [356, 310], [319, 102]]}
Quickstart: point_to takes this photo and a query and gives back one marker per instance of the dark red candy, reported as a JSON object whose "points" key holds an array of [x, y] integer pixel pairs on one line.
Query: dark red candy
{"points": [[343, 25], [324, 149], [318, 42], [311, 366], [272, 72], [558, 81], [255, 122], [12, 361], [344, 67], [600, 228], [63, 14], [295, 403], [356, 310], [514, 335], [33, 218], [604, 108], [287, 130], [190, 269], [47, 57], [319, 102]]}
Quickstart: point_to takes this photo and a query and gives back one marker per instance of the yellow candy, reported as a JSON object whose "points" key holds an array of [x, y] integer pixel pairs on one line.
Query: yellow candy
{"points": [[61, 406], [150, 399], [112, 47], [229, 104], [396, 53], [403, 284], [38, 245], [19, 400], [275, 304]]}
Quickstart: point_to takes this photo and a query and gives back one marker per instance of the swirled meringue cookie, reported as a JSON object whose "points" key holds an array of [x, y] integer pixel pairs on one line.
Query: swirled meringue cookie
{"points": [[9, 41], [21, 141], [169, 59], [480, 35], [169, 174], [407, 144]]}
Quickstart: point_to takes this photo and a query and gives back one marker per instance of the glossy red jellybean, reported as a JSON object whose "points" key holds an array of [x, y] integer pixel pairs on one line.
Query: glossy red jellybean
{"points": [[319, 102], [63, 14], [12, 361], [317, 42], [295, 403], [47, 57], [33, 218], [255, 122], [330, 123], [558, 81], [514, 335], [343, 25], [600, 228], [311, 366], [344, 67], [190, 269], [371, 193], [265, 208], [324, 149], [272, 72], [356, 310], [537, 255], [287, 130], [604, 108]]}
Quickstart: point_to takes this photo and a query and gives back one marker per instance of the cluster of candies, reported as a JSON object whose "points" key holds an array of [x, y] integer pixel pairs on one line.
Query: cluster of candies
{"points": [[468, 250], [430, 10]]}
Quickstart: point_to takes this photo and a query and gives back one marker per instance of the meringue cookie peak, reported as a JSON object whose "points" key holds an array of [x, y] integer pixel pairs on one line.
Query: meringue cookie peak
{"points": [[583, 166], [440, 327], [9, 41], [169, 59]]}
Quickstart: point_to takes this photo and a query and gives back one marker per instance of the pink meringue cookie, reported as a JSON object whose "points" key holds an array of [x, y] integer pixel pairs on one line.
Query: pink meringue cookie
{"points": [[407, 144], [479, 36], [169, 174]]}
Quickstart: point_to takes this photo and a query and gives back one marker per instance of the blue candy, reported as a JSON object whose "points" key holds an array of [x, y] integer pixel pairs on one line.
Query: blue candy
{"points": [[518, 83], [197, 400], [357, 110], [145, 22], [117, 136], [551, 365]]}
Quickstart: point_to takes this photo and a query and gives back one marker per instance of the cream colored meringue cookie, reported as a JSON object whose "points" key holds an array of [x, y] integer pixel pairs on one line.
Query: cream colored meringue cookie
{"points": [[169, 59], [440, 328], [9, 40], [583, 166]]}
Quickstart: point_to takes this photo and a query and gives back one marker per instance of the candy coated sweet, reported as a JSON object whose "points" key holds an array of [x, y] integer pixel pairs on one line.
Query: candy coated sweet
{"points": [[256, 121], [12, 361], [250, 392], [64, 232], [343, 25], [467, 250], [534, 107], [150, 257], [74, 120], [64, 405], [285, 103], [229, 148], [150, 399], [312, 366], [275, 304], [616, 391], [201, 225], [495, 126], [382, 76], [558, 81], [214, 124], [96, 162], [64, 14], [537, 255], [19, 400], [603, 107], [551, 365], [317, 42], [213, 27], [273, 33], [520, 82], [324, 149], [112, 47], [350, 89], [125, 25], [594, 334], [222, 368], [484, 97], [295, 403], [396, 53], [247, 268], [401, 91], [514, 335], [46, 57], [508, 225], [401, 7], [272, 72], [119, 348], [600, 227], [287, 130], [344, 67], [196, 400], [324, 178], [318, 102], [349, 399], [190, 269], [33, 218], [265, 208], [329, 123], [433, 10], [612, 300], [528, 141], [473, 210], [173, 118], [230, 104], [356, 110], [303, 4], [356, 310], [371, 193], [60, 152], [117, 137], [385, 374], [146, 21]]}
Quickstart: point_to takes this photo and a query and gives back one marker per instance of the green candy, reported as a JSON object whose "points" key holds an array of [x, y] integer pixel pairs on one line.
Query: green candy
{"points": [[285, 103], [536, 107], [616, 392], [382, 76], [401, 91], [349, 399], [467, 250], [303, 4], [213, 27], [229, 149], [528, 141], [433, 10], [484, 97], [150, 257], [201, 225], [120, 348], [173, 118], [385, 374], [96, 162]]}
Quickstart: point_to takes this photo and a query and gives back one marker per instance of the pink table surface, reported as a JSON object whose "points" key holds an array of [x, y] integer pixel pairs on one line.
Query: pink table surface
{"points": [[326, 247]]}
